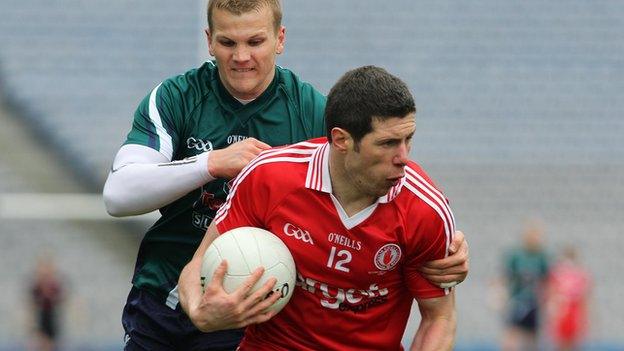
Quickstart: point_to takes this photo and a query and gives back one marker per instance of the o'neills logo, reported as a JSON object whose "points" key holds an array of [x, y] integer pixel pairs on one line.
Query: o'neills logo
{"points": [[387, 257]]}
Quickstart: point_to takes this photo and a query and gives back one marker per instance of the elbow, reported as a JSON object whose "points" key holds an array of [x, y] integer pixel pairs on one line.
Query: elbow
{"points": [[114, 212], [112, 208], [119, 202], [113, 202]]}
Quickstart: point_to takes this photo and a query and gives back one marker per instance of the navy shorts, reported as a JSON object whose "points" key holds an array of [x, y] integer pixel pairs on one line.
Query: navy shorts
{"points": [[151, 325], [525, 316]]}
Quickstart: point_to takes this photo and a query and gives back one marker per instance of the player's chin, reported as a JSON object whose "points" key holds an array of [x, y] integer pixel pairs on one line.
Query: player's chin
{"points": [[390, 183], [383, 189], [245, 88]]}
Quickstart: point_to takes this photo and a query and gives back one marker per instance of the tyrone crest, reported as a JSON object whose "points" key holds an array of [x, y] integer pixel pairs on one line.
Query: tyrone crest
{"points": [[387, 257]]}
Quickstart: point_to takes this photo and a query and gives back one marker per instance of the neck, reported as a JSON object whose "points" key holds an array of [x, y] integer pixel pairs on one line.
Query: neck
{"points": [[345, 189], [244, 101]]}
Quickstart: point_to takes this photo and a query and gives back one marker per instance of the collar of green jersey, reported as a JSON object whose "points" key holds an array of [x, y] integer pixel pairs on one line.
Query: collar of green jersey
{"points": [[245, 111]]}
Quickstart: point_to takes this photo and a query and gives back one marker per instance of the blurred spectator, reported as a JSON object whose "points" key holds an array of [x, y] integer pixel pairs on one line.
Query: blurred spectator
{"points": [[526, 273], [568, 294], [46, 296]]}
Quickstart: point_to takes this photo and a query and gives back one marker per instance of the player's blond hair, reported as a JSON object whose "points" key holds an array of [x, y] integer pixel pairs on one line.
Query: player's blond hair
{"points": [[238, 7]]}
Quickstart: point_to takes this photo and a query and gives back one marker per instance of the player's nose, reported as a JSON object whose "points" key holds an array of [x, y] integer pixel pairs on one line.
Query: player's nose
{"points": [[242, 54], [402, 155]]}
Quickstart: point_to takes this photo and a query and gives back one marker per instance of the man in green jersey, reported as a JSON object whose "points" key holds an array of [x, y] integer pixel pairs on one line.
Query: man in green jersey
{"points": [[526, 273], [190, 135]]}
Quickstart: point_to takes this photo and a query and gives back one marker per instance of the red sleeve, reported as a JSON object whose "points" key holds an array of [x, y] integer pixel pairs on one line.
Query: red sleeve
{"points": [[429, 235]]}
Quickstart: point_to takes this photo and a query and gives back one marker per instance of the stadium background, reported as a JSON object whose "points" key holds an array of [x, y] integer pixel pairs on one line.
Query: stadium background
{"points": [[520, 115]]}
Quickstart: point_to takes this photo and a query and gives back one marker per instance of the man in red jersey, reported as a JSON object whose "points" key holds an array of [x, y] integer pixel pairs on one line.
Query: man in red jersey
{"points": [[367, 218], [568, 291]]}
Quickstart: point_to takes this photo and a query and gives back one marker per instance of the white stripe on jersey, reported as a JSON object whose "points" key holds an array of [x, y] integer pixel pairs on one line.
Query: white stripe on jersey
{"points": [[305, 144], [269, 156], [308, 148], [166, 145], [314, 177], [393, 192], [433, 189], [436, 202]]}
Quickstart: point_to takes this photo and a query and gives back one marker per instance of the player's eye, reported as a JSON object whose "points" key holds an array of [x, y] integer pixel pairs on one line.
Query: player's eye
{"points": [[225, 42], [389, 143], [256, 42]]}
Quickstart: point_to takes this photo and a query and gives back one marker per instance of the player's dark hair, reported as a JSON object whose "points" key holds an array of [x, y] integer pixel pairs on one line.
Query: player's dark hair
{"points": [[363, 94], [238, 7]]}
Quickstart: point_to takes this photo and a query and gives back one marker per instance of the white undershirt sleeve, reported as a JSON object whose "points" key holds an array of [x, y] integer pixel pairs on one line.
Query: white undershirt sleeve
{"points": [[143, 180]]}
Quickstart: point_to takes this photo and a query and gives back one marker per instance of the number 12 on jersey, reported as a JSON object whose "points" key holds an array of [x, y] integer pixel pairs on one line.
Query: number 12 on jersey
{"points": [[343, 256]]}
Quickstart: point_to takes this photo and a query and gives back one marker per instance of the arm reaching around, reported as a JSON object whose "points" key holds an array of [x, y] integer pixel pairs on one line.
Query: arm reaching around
{"points": [[215, 309], [143, 180], [438, 324], [451, 270]]}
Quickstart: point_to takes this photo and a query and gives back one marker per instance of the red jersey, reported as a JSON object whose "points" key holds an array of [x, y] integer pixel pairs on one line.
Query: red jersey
{"points": [[569, 286], [356, 276]]}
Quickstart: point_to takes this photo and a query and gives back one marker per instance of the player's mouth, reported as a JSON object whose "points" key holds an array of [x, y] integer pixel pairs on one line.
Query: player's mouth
{"points": [[242, 70]]}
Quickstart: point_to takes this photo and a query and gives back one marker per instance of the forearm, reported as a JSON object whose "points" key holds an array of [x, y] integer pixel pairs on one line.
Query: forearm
{"points": [[189, 294], [190, 276], [435, 334], [438, 324], [142, 184]]}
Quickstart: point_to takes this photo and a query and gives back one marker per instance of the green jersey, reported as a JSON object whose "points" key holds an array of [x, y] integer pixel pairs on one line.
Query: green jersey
{"points": [[193, 113], [526, 272]]}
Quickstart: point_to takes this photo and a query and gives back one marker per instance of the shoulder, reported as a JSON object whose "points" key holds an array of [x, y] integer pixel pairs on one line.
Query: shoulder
{"points": [[421, 194], [281, 160], [307, 101], [424, 210], [275, 172], [296, 86], [513, 254], [191, 85]]}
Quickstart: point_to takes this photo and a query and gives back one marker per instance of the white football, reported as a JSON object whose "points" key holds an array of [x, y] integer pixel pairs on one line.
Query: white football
{"points": [[245, 249]]}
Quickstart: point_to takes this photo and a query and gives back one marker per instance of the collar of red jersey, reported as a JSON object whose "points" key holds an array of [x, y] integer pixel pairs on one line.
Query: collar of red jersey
{"points": [[318, 175]]}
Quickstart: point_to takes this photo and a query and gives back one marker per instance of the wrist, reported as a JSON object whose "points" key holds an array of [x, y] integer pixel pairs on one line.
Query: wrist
{"points": [[212, 164], [200, 323], [204, 166]]}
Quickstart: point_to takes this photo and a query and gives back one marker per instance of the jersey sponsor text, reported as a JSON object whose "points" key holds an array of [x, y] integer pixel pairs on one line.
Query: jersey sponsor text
{"points": [[351, 299], [201, 220]]}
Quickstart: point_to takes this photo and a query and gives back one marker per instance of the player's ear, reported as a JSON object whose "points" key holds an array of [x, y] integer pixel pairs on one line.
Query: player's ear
{"points": [[281, 38], [209, 39], [341, 139]]}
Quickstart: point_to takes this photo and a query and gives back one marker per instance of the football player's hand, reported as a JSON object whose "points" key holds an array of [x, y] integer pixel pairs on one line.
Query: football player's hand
{"points": [[451, 270], [218, 310], [227, 163]]}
